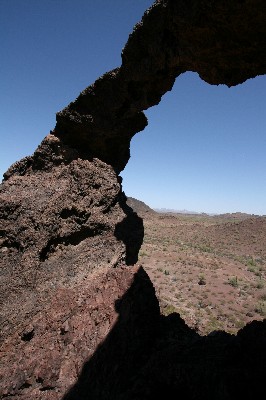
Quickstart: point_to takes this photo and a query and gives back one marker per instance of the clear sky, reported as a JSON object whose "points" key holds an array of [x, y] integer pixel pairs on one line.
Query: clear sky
{"points": [[204, 147]]}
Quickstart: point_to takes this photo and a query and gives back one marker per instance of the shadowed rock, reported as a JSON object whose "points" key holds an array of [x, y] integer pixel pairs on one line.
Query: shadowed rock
{"points": [[64, 222], [223, 41], [105, 339]]}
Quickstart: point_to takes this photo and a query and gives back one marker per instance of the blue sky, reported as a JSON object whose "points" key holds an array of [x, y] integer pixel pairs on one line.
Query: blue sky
{"points": [[204, 147]]}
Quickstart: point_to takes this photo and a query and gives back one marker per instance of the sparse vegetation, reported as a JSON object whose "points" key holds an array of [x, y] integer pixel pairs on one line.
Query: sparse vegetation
{"points": [[207, 268], [261, 308], [142, 254], [169, 309], [202, 280], [260, 285], [233, 281]]}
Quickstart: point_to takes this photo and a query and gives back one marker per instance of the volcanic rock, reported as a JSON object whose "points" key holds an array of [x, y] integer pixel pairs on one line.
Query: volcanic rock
{"points": [[58, 223], [65, 224], [43, 356], [223, 41]]}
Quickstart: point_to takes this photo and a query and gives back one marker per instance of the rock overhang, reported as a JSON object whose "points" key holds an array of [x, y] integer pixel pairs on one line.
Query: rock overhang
{"points": [[222, 41]]}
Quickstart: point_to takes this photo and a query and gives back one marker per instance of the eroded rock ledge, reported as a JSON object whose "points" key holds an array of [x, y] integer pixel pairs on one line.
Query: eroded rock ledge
{"points": [[64, 223], [223, 41]]}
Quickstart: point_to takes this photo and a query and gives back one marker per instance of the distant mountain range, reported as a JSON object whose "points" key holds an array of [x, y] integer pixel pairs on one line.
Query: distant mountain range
{"points": [[235, 215], [140, 207], [170, 210]]}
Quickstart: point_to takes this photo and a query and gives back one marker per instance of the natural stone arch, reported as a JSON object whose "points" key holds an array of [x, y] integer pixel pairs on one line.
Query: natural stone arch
{"points": [[63, 216], [222, 41]]}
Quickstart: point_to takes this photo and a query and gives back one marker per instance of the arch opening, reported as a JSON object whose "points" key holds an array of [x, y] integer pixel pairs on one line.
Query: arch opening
{"points": [[204, 144]]}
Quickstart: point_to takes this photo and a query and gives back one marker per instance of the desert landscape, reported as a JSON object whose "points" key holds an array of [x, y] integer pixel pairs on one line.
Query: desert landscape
{"points": [[209, 269], [103, 298]]}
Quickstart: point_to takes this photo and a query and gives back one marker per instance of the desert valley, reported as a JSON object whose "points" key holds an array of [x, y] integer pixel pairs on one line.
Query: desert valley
{"points": [[210, 269], [102, 297]]}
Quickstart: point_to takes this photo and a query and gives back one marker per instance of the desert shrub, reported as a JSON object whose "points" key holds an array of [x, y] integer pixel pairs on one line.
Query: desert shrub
{"points": [[263, 296], [142, 254], [202, 280], [260, 285], [169, 309], [251, 262], [205, 248], [233, 281], [239, 324], [260, 308], [251, 269]]}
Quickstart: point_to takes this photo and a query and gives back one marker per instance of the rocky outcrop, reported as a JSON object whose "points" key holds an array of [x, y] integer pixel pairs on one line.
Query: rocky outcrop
{"points": [[223, 41], [65, 222], [58, 224], [44, 355], [104, 338], [139, 207]]}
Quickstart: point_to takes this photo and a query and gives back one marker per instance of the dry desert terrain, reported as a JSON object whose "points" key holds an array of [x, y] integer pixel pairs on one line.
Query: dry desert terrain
{"points": [[210, 269]]}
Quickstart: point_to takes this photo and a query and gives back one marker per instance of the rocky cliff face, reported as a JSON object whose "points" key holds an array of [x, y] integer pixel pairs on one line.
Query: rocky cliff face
{"points": [[65, 223], [60, 220]]}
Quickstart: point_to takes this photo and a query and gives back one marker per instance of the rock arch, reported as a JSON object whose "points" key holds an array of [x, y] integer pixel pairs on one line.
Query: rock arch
{"points": [[222, 41], [64, 221]]}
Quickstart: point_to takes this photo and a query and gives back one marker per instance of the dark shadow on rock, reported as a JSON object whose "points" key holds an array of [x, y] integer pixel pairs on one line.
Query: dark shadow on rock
{"points": [[111, 370], [130, 231], [149, 356]]}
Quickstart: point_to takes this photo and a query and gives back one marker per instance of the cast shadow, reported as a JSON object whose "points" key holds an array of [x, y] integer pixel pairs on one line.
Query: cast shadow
{"points": [[149, 356], [111, 370], [130, 231]]}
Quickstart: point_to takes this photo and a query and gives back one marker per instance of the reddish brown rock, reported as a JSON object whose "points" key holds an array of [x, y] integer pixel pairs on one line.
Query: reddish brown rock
{"points": [[65, 223], [59, 223], [44, 355], [105, 338]]}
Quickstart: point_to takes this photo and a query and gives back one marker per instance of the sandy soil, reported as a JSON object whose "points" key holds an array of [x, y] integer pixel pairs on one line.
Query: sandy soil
{"points": [[210, 269]]}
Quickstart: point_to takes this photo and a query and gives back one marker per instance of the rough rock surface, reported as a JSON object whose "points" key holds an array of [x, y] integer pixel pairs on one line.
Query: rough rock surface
{"points": [[44, 356], [223, 41], [57, 226], [64, 222], [104, 338]]}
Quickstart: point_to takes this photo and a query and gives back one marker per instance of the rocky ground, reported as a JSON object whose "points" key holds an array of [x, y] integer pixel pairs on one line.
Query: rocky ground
{"points": [[75, 326], [210, 269]]}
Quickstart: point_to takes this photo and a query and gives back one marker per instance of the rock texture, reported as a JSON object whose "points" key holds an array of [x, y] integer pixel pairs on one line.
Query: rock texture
{"points": [[104, 338], [64, 220], [45, 356], [112, 322], [223, 41], [59, 223]]}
